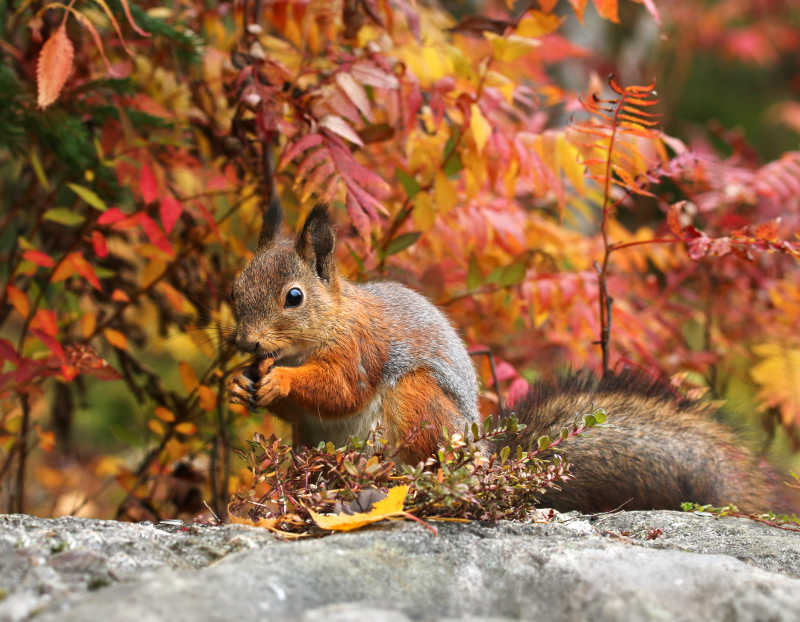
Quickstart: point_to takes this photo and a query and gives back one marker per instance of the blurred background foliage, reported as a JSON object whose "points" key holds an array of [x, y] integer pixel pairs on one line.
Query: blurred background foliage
{"points": [[445, 137]]}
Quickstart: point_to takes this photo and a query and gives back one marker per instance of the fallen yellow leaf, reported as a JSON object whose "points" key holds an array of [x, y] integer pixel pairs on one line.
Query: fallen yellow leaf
{"points": [[389, 507]]}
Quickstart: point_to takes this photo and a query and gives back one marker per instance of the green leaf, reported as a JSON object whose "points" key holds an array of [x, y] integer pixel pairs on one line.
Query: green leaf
{"points": [[589, 420], [410, 185], [89, 196], [36, 163], [402, 242], [505, 276], [600, 415], [453, 165], [504, 453], [474, 275], [63, 216], [476, 431], [543, 442]]}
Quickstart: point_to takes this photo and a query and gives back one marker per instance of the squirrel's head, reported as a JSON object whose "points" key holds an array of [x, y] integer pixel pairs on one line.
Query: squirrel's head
{"points": [[284, 299]]}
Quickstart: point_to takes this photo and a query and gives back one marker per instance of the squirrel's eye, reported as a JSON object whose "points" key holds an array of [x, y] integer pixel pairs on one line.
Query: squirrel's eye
{"points": [[293, 297]]}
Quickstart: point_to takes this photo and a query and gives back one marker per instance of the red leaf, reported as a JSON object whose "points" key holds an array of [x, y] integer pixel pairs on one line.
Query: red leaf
{"points": [[170, 212], [39, 258], [111, 216], [54, 66], [295, 149], [154, 233], [99, 244], [149, 186], [8, 352]]}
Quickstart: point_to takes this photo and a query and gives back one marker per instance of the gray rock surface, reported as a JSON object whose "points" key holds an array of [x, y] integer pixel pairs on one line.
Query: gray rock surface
{"points": [[576, 568]]}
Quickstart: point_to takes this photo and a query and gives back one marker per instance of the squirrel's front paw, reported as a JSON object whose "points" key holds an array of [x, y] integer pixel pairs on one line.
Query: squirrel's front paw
{"points": [[244, 384], [274, 385]]}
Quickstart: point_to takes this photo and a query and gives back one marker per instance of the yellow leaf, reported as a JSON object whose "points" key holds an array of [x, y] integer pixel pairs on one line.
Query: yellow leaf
{"points": [[479, 126], [509, 48], [188, 376], [208, 398], [444, 192], [155, 427], [537, 24], [779, 376], [164, 414], [54, 66], [151, 272], [424, 213], [187, 428], [390, 506], [116, 338], [570, 162], [107, 465]]}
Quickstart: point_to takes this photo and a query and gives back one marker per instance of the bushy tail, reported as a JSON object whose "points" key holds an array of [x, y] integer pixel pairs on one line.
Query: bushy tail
{"points": [[655, 450]]}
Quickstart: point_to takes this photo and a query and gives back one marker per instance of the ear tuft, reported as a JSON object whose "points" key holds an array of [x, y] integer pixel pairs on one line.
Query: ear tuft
{"points": [[316, 242], [270, 224]]}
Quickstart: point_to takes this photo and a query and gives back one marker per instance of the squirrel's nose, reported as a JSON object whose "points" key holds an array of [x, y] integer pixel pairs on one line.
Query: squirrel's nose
{"points": [[247, 346]]}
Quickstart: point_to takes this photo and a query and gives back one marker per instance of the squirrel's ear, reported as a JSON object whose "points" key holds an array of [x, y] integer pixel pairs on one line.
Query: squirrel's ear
{"points": [[316, 242], [270, 224]]}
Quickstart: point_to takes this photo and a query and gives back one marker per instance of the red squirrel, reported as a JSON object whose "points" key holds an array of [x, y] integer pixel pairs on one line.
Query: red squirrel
{"points": [[337, 358]]}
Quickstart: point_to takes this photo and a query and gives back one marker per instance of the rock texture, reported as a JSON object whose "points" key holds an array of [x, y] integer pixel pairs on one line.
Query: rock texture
{"points": [[577, 568]]}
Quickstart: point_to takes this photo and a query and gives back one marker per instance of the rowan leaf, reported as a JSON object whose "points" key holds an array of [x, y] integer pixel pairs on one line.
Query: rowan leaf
{"points": [[54, 66], [339, 126]]}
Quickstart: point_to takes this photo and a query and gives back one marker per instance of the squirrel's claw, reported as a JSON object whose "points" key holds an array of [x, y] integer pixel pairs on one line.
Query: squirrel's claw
{"points": [[271, 387]]}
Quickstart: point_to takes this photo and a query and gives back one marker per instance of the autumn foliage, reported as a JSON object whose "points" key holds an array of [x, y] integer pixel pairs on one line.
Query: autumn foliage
{"points": [[558, 224]]}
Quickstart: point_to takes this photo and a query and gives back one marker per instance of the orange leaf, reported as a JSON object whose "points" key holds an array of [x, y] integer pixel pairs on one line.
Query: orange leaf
{"points": [[188, 376], [54, 66], [119, 296], [46, 321], [208, 399], [116, 338], [155, 426], [19, 300], [607, 9], [88, 323], [579, 6], [164, 414], [187, 428]]}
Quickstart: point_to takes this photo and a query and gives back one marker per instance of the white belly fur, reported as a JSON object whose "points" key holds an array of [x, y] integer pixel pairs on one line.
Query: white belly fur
{"points": [[315, 429]]}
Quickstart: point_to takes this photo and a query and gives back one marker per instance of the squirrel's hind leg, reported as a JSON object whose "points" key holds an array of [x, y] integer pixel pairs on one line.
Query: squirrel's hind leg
{"points": [[414, 412]]}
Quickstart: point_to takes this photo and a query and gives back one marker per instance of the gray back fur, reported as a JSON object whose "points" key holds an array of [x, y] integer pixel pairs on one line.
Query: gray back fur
{"points": [[441, 351]]}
